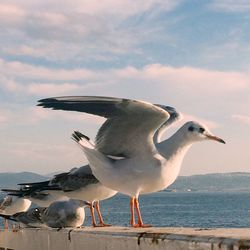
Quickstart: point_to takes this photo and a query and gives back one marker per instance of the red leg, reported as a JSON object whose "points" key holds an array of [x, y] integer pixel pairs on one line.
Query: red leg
{"points": [[132, 218], [140, 222], [97, 206], [91, 207], [6, 225]]}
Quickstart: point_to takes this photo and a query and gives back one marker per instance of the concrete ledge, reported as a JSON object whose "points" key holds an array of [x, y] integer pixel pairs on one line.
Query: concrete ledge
{"points": [[119, 238]]}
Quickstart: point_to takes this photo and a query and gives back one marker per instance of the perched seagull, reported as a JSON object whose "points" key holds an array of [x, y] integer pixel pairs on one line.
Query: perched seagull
{"points": [[78, 183], [59, 214], [11, 205], [65, 214], [30, 218], [146, 166]]}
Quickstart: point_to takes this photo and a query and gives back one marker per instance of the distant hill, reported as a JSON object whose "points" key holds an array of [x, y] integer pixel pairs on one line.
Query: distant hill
{"points": [[208, 182], [236, 181], [10, 180]]}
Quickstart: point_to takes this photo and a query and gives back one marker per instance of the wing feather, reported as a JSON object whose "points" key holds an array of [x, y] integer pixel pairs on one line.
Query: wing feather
{"points": [[129, 127]]}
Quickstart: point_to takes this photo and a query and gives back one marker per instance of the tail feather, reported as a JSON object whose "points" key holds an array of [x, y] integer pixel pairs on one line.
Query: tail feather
{"points": [[82, 140], [98, 162]]}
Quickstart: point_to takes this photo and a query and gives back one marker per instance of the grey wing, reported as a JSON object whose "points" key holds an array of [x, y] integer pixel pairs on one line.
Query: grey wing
{"points": [[54, 215], [97, 105], [174, 116], [75, 179], [129, 127]]}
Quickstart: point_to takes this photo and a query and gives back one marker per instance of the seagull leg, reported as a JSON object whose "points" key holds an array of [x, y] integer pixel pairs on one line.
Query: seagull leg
{"points": [[140, 222], [102, 224], [91, 207], [132, 205], [6, 225]]}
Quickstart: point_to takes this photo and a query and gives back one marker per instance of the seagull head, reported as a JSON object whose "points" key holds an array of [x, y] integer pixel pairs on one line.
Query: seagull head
{"points": [[198, 132]]}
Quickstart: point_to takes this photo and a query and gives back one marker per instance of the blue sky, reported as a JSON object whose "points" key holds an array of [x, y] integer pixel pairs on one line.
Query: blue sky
{"points": [[193, 55]]}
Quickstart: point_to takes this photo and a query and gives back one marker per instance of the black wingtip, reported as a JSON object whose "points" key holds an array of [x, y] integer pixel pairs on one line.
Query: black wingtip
{"points": [[9, 190], [15, 194], [34, 184], [47, 102], [77, 136]]}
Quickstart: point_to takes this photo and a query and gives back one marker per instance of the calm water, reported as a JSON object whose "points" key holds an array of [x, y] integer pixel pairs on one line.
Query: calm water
{"points": [[191, 209]]}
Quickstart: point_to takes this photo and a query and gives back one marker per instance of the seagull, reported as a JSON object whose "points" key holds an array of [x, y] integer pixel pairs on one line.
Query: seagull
{"points": [[147, 165], [62, 214], [10, 205], [78, 183], [59, 214], [30, 218]]}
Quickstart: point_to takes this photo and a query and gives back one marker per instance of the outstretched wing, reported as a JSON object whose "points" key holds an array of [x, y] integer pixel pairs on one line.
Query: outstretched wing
{"points": [[174, 116], [129, 127]]}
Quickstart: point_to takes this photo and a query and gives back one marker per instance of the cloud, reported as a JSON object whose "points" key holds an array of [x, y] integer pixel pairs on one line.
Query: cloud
{"points": [[51, 88], [3, 119], [16, 77], [16, 115], [187, 88], [199, 78], [245, 119], [78, 31], [231, 5], [30, 116]]}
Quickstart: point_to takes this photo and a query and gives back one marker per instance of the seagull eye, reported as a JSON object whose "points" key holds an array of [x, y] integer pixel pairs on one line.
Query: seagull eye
{"points": [[191, 128], [201, 130]]}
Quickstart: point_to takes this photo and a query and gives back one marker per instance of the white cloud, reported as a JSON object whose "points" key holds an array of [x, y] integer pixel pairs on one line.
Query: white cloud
{"points": [[28, 71], [11, 14], [231, 5], [209, 80], [51, 88], [186, 88], [121, 8], [78, 30], [3, 119], [245, 119], [25, 116], [16, 77]]}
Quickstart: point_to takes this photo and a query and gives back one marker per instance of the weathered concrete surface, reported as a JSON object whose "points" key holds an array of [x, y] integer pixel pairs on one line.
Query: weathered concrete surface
{"points": [[119, 238]]}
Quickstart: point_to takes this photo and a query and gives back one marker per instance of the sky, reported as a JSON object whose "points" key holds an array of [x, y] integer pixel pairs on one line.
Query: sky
{"points": [[190, 54]]}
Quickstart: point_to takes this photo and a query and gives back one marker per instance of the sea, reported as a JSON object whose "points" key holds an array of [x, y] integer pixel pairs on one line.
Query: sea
{"points": [[181, 209]]}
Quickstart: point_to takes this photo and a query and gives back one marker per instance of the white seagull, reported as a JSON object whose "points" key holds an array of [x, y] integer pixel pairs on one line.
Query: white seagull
{"points": [[62, 214], [128, 132], [10, 205], [59, 214]]}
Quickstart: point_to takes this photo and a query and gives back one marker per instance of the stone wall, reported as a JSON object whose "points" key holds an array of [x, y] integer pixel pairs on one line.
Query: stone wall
{"points": [[119, 238]]}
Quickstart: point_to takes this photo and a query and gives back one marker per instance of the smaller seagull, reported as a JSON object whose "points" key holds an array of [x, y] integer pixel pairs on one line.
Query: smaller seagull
{"points": [[10, 205], [62, 214], [59, 214]]}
